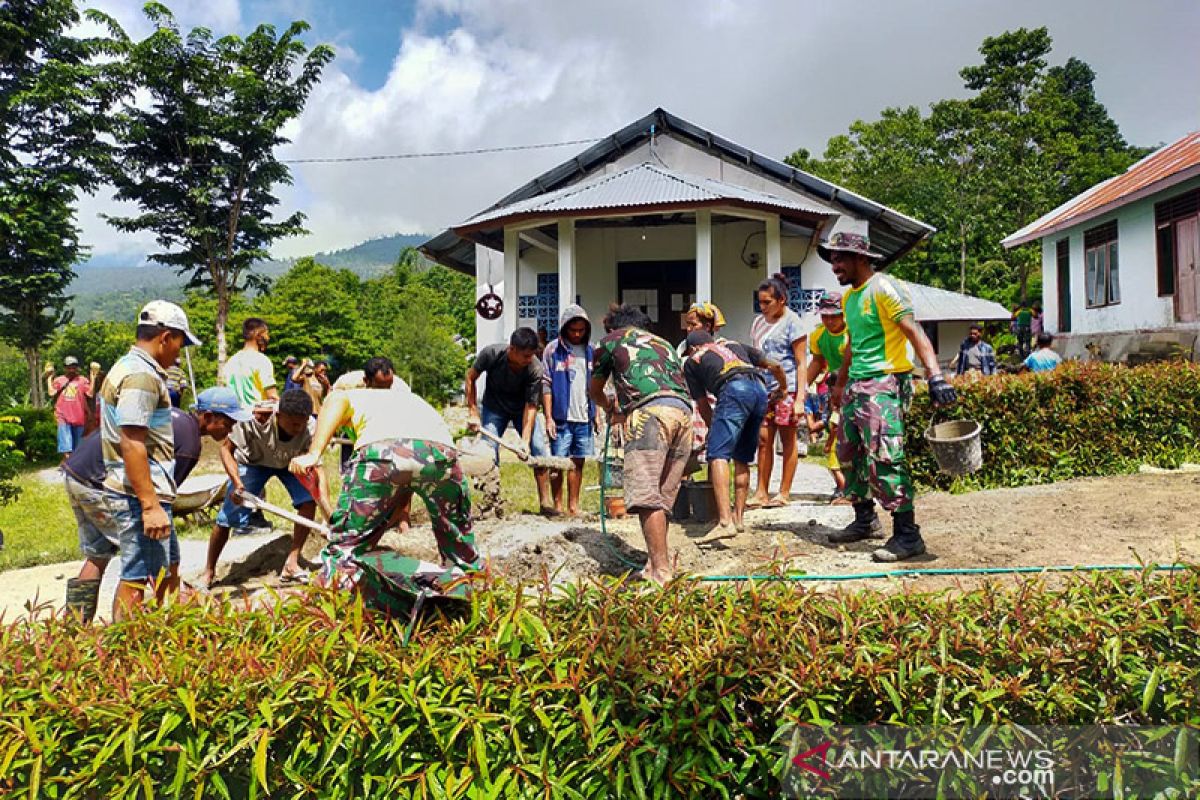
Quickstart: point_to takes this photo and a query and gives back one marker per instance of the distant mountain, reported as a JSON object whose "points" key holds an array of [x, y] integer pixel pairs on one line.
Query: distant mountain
{"points": [[109, 285]]}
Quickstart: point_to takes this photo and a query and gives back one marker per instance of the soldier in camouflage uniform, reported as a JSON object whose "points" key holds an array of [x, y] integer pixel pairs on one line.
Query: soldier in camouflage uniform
{"points": [[401, 444], [874, 388], [653, 402]]}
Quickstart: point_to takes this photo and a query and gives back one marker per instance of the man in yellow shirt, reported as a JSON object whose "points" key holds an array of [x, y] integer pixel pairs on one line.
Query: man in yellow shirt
{"points": [[400, 443], [874, 389]]}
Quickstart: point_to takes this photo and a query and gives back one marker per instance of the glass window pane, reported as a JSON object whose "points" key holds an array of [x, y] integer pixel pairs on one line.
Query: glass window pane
{"points": [[1101, 276], [1114, 281], [1089, 280]]}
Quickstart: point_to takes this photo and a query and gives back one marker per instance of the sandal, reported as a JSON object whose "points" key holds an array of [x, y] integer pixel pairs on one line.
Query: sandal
{"points": [[775, 502], [294, 577]]}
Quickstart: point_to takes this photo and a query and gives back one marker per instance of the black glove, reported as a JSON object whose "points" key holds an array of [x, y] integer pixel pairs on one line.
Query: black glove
{"points": [[941, 392]]}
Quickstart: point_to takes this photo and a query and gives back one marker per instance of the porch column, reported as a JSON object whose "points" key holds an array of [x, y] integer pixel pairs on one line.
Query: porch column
{"points": [[566, 263], [512, 307], [703, 255], [774, 251]]}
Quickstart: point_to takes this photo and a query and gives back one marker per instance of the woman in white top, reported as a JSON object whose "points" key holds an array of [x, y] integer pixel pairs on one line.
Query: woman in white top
{"points": [[783, 337]]}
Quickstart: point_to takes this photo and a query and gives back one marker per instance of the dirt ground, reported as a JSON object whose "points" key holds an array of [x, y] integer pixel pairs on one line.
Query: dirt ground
{"points": [[1121, 520]]}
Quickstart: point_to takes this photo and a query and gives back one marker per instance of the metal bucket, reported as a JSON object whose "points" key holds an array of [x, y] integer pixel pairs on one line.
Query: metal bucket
{"points": [[957, 446], [616, 472]]}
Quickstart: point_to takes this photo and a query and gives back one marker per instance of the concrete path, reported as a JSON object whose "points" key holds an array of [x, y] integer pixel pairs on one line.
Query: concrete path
{"points": [[48, 584]]}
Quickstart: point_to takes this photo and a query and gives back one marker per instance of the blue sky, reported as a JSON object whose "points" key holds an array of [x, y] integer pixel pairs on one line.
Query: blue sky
{"points": [[774, 75]]}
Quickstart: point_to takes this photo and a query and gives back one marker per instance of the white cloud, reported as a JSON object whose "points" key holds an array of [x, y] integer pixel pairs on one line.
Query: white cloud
{"points": [[774, 75]]}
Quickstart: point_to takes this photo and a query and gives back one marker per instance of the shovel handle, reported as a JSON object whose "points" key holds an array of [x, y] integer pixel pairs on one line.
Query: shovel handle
{"points": [[257, 503], [493, 437]]}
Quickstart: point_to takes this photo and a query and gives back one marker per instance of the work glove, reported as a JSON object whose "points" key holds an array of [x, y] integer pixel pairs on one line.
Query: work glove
{"points": [[941, 392]]}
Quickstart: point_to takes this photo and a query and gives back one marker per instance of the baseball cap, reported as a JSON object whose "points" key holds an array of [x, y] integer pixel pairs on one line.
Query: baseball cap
{"points": [[290, 360], [222, 400], [70, 361], [167, 315]]}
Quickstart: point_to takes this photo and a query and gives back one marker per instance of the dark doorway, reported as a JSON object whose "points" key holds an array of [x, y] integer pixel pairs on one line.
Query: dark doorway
{"points": [[663, 289], [1063, 258]]}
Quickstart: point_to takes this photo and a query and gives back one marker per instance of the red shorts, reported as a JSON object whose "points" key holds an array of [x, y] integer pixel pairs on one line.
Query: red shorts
{"points": [[781, 414]]}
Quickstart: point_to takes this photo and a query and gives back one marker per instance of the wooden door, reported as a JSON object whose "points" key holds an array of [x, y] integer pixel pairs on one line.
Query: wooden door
{"points": [[1187, 253], [663, 289]]}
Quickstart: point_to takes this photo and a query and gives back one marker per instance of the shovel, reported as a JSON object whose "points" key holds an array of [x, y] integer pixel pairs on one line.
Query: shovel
{"points": [[537, 462], [256, 503]]}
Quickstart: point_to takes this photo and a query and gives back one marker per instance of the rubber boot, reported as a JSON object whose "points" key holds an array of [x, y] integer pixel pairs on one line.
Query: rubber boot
{"points": [[906, 540], [866, 525], [82, 598]]}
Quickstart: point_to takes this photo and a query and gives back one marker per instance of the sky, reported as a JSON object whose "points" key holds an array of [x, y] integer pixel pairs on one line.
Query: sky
{"points": [[773, 75]]}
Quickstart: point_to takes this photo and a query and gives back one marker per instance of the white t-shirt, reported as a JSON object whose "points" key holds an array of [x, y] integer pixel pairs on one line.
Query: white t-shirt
{"points": [[577, 408], [249, 373], [378, 414]]}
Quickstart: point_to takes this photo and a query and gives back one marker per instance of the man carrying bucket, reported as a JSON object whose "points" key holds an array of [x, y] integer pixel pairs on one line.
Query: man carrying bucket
{"points": [[874, 388]]}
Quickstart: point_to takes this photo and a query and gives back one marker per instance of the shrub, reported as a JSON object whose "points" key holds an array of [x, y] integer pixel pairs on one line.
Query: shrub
{"points": [[10, 458], [589, 692], [38, 438], [1081, 420]]}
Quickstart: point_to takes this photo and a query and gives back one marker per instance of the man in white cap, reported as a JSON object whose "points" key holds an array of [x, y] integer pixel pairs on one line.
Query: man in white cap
{"points": [[138, 446], [69, 394], [100, 513]]}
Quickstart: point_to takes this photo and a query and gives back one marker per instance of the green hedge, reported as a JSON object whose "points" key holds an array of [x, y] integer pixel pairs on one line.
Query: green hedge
{"points": [[38, 438], [592, 692], [1081, 420]]}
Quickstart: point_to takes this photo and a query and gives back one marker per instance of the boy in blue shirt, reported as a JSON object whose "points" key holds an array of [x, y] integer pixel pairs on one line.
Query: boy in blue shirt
{"points": [[1044, 359]]}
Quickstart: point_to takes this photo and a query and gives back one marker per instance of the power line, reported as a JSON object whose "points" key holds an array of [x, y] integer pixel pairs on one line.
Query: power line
{"points": [[439, 153]]}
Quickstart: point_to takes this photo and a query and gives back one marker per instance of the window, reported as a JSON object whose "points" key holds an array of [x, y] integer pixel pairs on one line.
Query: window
{"points": [[1102, 277], [1166, 215]]}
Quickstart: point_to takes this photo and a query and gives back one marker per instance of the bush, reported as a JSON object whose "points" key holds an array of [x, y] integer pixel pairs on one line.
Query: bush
{"points": [[10, 458], [591, 692], [1082, 420], [38, 438]]}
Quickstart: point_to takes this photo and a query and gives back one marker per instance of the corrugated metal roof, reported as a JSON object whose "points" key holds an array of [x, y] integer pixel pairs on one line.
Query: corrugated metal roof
{"points": [[931, 304], [641, 185], [1164, 167], [892, 233]]}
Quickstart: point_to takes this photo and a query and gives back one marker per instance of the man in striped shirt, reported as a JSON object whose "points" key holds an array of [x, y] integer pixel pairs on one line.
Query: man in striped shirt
{"points": [[138, 446]]}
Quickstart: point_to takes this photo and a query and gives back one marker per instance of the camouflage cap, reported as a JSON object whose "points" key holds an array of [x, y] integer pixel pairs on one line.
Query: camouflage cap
{"points": [[846, 242], [830, 303]]}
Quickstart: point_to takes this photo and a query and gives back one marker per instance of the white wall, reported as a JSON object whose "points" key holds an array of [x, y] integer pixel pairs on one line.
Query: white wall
{"points": [[1140, 305]]}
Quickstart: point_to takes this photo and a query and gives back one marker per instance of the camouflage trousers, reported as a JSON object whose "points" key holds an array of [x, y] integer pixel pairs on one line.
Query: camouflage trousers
{"points": [[373, 483], [870, 442]]}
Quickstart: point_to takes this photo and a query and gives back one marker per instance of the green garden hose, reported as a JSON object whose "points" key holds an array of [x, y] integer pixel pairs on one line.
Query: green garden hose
{"points": [[896, 573]]}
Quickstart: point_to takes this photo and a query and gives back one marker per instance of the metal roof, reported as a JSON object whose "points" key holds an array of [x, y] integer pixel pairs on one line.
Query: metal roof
{"points": [[931, 304], [1163, 168], [639, 186], [892, 233]]}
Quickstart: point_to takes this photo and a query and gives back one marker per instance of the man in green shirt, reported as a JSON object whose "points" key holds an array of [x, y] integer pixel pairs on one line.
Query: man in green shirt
{"points": [[874, 388], [1023, 328]]}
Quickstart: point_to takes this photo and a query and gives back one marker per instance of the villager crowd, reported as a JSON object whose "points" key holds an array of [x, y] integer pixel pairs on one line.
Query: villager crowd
{"points": [[847, 383]]}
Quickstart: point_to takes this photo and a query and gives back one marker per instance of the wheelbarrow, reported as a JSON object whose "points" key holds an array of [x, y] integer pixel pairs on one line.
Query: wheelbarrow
{"points": [[199, 494]]}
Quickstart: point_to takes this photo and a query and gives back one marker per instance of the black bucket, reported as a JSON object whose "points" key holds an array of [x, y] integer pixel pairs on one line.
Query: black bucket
{"points": [[702, 499]]}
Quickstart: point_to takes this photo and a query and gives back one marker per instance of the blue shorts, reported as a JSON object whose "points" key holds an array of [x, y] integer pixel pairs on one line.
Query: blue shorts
{"points": [[574, 439], [110, 523], [496, 424], [69, 437], [741, 408], [255, 478]]}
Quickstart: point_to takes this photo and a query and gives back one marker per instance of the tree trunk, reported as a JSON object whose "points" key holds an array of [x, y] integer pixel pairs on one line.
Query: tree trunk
{"points": [[962, 258], [34, 359], [222, 317]]}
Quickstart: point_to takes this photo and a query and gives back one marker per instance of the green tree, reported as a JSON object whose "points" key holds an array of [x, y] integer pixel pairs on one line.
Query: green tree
{"points": [[423, 347], [53, 92], [100, 341], [1029, 138], [199, 159]]}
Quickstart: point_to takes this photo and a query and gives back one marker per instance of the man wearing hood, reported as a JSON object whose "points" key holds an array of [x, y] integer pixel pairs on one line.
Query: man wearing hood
{"points": [[570, 413]]}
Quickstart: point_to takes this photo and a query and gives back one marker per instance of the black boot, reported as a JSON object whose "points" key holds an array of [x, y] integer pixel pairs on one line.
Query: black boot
{"points": [[906, 540], [866, 525], [82, 599]]}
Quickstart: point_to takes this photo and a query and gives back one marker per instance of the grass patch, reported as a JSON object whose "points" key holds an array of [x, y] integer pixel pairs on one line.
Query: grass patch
{"points": [[38, 526]]}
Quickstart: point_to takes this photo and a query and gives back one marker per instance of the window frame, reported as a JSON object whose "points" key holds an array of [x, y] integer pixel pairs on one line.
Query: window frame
{"points": [[1102, 266]]}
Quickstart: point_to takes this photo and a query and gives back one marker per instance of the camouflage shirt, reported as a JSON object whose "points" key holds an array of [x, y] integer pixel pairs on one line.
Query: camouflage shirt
{"points": [[643, 367]]}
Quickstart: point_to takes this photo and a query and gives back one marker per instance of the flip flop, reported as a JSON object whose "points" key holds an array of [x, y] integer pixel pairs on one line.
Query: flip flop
{"points": [[753, 504], [774, 502], [295, 577]]}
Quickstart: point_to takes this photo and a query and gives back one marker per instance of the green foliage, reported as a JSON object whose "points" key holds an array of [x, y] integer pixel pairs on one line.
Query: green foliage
{"points": [[1031, 137], [53, 93], [1081, 420], [199, 159], [103, 342], [10, 458], [14, 377], [37, 437], [587, 691]]}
